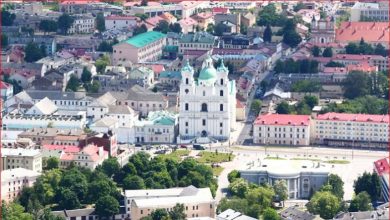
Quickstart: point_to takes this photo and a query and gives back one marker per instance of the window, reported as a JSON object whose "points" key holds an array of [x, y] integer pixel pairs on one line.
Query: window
{"points": [[187, 81], [186, 91], [221, 93], [204, 107], [204, 93], [221, 107], [186, 123], [186, 107], [221, 81], [204, 122], [221, 124]]}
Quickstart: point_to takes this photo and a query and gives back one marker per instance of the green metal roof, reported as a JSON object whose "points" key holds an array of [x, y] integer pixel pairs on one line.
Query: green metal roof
{"points": [[144, 39], [208, 73]]}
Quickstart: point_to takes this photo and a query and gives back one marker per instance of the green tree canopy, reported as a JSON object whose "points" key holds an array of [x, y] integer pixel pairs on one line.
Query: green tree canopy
{"points": [[356, 85], [65, 21], [315, 51], [267, 35], [133, 182], [283, 108], [14, 211], [73, 83], [175, 28], [33, 52], [100, 22], [178, 212], [68, 199], [162, 26], [159, 214], [107, 206], [48, 26], [270, 214], [361, 202], [328, 52], [139, 30], [369, 183], [239, 187], [86, 75], [7, 18], [233, 175], [324, 204], [52, 163], [256, 106], [280, 189], [111, 166]]}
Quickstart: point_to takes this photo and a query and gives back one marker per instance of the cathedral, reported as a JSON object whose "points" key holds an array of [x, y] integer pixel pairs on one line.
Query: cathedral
{"points": [[323, 31], [207, 104]]}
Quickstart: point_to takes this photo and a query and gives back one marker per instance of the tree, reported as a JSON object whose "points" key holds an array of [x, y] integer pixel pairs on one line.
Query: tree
{"points": [[369, 183], [104, 46], [65, 21], [315, 51], [139, 30], [162, 26], [356, 85], [361, 202], [107, 206], [380, 50], [299, 6], [267, 35], [292, 38], [352, 48], [143, 17], [86, 75], [177, 212], [325, 204], [159, 214], [175, 28], [100, 22], [283, 108], [101, 63], [144, 2], [328, 52], [48, 26], [233, 175], [94, 87], [110, 166], [270, 214], [7, 18], [47, 185], [4, 40], [14, 211], [47, 215], [311, 100], [52, 163], [68, 199], [239, 205], [32, 52], [337, 185], [239, 187], [219, 29], [262, 196], [256, 106], [280, 189], [73, 83], [210, 28], [133, 182]]}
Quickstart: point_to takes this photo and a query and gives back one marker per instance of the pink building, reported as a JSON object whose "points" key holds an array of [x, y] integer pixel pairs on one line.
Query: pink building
{"points": [[14, 180]]}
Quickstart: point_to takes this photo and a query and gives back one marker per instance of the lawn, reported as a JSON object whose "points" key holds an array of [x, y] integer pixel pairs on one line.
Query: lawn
{"points": [[301, 158], [275, 158], [217, 170], [175, 155], [337, 161], [214, 157]]}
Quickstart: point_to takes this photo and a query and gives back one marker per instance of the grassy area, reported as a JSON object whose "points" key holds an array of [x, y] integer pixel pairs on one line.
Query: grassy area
{"points": [[214, 157], [217, 170], [337, 161], [275, 158], [301, 158], [175, 155]]}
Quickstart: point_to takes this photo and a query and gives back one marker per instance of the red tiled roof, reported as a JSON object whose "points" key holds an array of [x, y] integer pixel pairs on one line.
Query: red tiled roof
{"points": [[362, 66], [154, 20], [333, 116], [65, 148], [221, 51], [357, 57], [93, 152], [203, 15], [276, 119], [187, 22], [79, 2], [369, 31], [382, 166], [335, 70], [5, 85], [220, 10], [116, 17], [130, 4], [194, 52], [239, 104]]}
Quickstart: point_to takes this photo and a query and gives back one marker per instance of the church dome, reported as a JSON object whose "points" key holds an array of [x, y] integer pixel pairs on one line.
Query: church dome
{"points": [[208, 72]]}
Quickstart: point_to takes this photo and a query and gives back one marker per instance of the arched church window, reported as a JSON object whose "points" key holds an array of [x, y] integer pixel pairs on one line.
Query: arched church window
{"points": [[221, 82], [203, 107], [187, 81], [186, 106], [221, 93]]}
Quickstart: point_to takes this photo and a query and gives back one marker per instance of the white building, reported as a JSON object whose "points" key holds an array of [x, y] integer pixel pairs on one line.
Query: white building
{"points": [[24, 122], [198, 202], [14, 180], [43, 107], [275, 129], [82, 25], [370, 11], [356, 130], [207, 105], [30, 159], [120, 22]]}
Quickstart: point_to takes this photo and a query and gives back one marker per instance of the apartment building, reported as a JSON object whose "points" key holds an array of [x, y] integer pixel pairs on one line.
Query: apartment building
{"points": [[67, 137], [82, 24], [30, 159], [120, 22], [25, 122], [198, 202], [363, 11], [351, 130], [90, 157], [141, 48], [282, 129], [357, 59], [14, 180], [197, 41]]}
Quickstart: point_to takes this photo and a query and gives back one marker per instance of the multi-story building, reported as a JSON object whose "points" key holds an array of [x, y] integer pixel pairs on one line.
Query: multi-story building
{"points": [[323, 31], [302, 177], [207, 105], [366, 11], [382, 168], [371, 32], [120, 22], [30, 159], [198, 202], [14, 180], [55, 136], [143, 47], [282, 129], [158, 127], [357, 59], [351, 130], [197, 41], [90, 157], [24, 122], [82, 24]]}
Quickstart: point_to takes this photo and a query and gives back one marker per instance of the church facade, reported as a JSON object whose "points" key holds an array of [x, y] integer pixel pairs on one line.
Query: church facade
{"points": [[323, 31], [207, 104]]}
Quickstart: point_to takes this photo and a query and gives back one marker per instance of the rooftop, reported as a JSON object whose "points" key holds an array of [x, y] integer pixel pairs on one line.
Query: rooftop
{"points": [[354, 117], [198, 37], [276, 119], [9, 152], [371, 32], [145, 39], [7, 175]]}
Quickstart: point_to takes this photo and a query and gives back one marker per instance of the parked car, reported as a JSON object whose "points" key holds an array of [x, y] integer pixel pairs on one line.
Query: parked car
{"points": [[183, 146], [138, 145], [199, 147]]}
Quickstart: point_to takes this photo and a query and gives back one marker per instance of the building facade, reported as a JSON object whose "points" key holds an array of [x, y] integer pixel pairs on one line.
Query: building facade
{"points": [[365, 11], [14, 180], [382, 168], [282, 129], [207, 105], [82, 25], [197, 41], [323, 31], [143, 47], [30, 159], [120, 22]]}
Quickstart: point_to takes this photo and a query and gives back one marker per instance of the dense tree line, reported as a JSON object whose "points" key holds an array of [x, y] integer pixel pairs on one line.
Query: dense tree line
{"points": [[306, 86], [362, 105], [7, 18], [164, 27], [303, 107], [268, 16], [177, 213], [299, 66], [364, 48], [359, 84]]}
